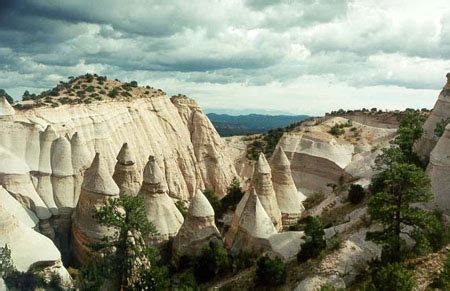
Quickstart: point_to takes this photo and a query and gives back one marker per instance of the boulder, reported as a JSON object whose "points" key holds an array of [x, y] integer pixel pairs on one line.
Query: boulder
{"points": [[262, 183], [198, 229], [126, 173], [160, 208], [288, 197], [98, 186]]}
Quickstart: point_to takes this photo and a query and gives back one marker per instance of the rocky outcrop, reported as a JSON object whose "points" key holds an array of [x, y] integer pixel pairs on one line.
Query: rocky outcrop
{"points": [[320, 159], [217, 170], [98, 186], [440, 112], [439, 170], [262, 183], [289, 199], [253, 228], [160, 208], [197, 231], [126, 174]]}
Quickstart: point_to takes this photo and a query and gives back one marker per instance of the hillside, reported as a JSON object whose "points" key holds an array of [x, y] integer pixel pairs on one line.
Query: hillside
{"points": [[229, 125]]}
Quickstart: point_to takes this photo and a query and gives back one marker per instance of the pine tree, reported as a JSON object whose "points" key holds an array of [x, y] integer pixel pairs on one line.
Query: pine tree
{"points": [[125, 256]]}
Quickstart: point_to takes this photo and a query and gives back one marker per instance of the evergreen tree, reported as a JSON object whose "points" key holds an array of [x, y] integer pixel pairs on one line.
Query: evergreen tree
{"points": [[394, 277], [314, 241], [6, 265], [234, 195], [125, 256]]}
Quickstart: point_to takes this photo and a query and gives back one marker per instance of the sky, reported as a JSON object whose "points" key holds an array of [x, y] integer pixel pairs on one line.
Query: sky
{"points": [[262, 56]]}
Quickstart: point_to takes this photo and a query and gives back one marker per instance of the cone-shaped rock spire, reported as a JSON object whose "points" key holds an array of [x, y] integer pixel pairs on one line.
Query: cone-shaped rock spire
{"points": [[160, 208], [255, 227], [288, 198], [81, 158], [197, 230], [6, 110], [440, 112], [126, 174], [262, 183], [98, 186], [438, 170]]}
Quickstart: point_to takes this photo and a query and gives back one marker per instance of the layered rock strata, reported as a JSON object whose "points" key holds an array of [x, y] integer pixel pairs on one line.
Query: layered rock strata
{"points": [[288, 198], [126, 173], [160, 208], [440, 112], [197, 231], [97, 188], [262, 183]]}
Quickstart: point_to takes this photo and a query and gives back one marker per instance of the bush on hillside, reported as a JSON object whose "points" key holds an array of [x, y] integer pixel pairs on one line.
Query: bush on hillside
{"points": [[270, 272], [213, 261], [314, 239], [394, 277], [356, 194]]}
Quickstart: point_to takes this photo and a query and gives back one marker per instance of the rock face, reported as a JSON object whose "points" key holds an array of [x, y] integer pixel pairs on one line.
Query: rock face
{"points": [[289, 199], [441, 111], [160, 208], [438, 170], [253, 228], [98, 186], [198, 229], [217, 170], [319, 158], [262, 183], [126, 174]]}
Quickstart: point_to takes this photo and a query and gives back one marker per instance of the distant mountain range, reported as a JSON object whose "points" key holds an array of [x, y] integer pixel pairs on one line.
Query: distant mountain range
{"points": [[229, 125]]}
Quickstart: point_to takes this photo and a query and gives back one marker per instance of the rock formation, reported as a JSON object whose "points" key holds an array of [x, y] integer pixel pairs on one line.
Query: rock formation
{"points": [[209, 149], [160, 208], [198, 229], [319, 159], [126, 174], [289, 199], [81, 160], [253, 229], [439, 170], [29, 249], [6, 110], [98, 186], [441, 111], [262, 183]]}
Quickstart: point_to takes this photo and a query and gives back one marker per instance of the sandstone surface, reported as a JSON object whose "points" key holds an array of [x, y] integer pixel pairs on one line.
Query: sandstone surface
{"points": [[126, 174]]}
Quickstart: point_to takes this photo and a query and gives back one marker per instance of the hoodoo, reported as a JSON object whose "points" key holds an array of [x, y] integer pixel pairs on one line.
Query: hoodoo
{"points": [[81, 160], [262, 183], [98, 186], [440, 112], [288, 198], [160, 208], [198, 229], [6, 110], [438, 170], [254, 229], [126, 173]]}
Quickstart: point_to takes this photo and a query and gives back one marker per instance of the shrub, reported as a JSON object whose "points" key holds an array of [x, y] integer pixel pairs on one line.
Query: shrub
{"points": [[90, 88], [314, 239], [270, 272], [336, 130], [214, 201], [440, 127], [213, 261], [113, 93], [356, 194], [234, 195], [133, 84], [181, 205], [394, 277]]}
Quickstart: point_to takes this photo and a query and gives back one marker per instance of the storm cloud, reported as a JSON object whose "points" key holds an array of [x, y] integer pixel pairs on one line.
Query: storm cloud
{"points": [[304, 56]]}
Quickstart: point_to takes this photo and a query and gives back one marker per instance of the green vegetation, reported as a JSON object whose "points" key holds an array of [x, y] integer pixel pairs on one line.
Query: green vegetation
{"points": [[7, 96], [339, 129], [356, 194], [440, 127], [182, 207], [125, 256], [314, 239], [399, 184], [6, 265], [213, 261], [233, 196], [394, 277], [214, 200], [270, 272], [313, 200]]}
